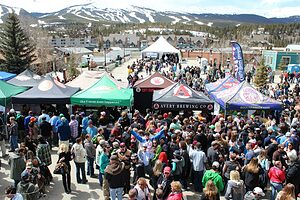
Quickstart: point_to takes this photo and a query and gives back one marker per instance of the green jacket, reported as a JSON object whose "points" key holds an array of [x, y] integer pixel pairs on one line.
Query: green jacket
{"points": [[215, 177], [103, 162]]}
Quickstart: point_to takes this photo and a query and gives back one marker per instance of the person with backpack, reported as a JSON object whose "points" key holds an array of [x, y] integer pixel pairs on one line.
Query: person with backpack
{"points": [[177, 165]]}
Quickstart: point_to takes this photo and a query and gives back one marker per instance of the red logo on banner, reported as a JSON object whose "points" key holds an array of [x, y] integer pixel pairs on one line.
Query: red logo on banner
{"points": [[157, 81], [182, 92]]}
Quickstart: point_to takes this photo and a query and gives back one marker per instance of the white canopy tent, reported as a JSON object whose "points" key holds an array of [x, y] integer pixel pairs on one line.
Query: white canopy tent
{"points": [[86, 79], [161, 46]]}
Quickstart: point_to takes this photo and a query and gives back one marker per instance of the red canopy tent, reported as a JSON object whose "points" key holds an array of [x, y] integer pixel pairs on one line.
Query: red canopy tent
{"points": [[143, 90]]}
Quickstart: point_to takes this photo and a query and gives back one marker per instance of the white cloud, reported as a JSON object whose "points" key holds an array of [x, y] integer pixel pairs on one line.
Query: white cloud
{"points": [[283, 12]]}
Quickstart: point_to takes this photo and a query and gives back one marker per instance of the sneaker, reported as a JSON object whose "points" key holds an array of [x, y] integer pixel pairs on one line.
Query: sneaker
{"points": [[11, 150]]}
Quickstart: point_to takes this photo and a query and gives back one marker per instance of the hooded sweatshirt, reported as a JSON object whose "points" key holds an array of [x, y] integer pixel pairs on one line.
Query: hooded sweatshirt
{"points": [[114, 173], [215, 177], [235, 190], [79, 153]]}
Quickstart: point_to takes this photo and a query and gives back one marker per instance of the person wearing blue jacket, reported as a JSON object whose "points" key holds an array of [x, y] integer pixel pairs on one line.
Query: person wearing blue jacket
{"points": [[64, 132], [148, 139]]}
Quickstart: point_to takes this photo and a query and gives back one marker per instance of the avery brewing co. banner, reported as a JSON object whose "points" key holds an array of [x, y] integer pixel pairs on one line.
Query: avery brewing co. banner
{"points": [[237, 55]]}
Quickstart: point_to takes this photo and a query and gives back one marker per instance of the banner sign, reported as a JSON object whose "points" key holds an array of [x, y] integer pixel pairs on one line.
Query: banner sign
{"points": [[237, 55], [183, 106]]}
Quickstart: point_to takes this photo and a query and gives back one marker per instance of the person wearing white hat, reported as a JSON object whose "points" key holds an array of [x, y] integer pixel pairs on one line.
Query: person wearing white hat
{"points": [[213, 174], [256, 194]]}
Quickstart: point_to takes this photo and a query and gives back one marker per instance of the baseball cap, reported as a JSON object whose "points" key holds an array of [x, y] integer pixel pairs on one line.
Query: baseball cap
{"points": [[216, 164], [167, 170], [288, 134], [258, 190]]}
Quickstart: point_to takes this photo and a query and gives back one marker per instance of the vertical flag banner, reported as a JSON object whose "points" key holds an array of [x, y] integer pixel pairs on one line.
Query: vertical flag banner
{"points": [[237, 55]]}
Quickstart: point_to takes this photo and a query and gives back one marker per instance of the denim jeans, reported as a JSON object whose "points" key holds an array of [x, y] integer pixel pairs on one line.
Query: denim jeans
{"points": [[80, 167], [276, 187], [101, 178], [197, 180], [116, 193], [90, 166], [13, 140]]}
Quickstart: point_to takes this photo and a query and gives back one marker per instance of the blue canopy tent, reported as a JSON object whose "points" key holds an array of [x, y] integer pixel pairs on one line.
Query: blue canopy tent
{"points": [[4, 76], [291, 68], [222, 84], [244, 97]]}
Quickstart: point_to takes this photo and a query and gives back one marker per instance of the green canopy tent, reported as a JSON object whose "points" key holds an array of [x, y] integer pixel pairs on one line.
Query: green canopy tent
{"points": [[7, 90], [105, 92]]}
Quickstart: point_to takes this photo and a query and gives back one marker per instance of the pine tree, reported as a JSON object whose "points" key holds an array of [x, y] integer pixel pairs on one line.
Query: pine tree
{"points": [[261, 76], [15, 46], [282, 66]]}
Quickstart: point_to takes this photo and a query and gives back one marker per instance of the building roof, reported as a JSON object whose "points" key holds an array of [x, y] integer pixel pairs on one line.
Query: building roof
{"points": [[293, 47], [75, 50]]}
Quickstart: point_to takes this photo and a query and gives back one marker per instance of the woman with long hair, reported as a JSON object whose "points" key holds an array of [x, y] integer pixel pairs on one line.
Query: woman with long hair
{"points": [[210, 192], [287, 193], [157, 171], [176, 192], [235, 187], [143, 192], [251, 173], [265, 165], [65, 157]]}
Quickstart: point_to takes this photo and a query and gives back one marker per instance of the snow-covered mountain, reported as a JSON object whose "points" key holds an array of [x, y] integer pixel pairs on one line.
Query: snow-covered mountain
{"points": [[94, 12], [5, 10], [131, 14]]}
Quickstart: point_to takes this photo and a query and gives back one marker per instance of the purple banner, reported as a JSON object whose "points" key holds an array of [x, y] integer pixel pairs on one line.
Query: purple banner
{"points": [[237, 55]]}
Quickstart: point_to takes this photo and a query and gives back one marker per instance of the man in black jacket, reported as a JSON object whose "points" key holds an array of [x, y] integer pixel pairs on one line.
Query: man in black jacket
{"points": [[115, 175], [46, 131], [164, 182], [293, 174]]}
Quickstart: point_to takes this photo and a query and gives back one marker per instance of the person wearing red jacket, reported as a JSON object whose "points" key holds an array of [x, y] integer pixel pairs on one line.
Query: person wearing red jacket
{"points": [[277, 178], [176, 193]]}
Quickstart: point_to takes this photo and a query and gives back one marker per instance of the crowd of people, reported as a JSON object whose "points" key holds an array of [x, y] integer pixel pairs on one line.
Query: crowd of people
{"points": [[157, 155]]}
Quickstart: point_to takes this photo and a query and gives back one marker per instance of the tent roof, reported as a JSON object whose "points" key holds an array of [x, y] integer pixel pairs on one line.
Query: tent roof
{"points": [[105, 92], [48, 90], [7, 90], [222, 84], [180, 96], [27, 78], [86, 79], [244, 97], [156, 81], [161, 46], [6, 75]]}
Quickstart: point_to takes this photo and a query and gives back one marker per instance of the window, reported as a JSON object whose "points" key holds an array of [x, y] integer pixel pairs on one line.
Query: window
{"points": [[286, 59]]}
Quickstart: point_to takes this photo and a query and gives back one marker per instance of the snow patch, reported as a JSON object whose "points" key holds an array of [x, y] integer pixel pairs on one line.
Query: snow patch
{"points": [[237, 25], [33, 25], [175, 18], [41, 22], [61, 17], [210, 23], [186, 18], [132, 14], [198, 22]]}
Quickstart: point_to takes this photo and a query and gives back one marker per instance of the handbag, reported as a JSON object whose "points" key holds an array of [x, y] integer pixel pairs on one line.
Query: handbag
{"points": [[60, 168]]}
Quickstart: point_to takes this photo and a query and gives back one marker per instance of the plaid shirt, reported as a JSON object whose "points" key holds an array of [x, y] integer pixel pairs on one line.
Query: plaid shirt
{"points": [[44, 153], [74, 128]]}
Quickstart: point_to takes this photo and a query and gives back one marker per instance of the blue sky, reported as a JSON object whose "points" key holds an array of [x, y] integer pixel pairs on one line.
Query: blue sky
{"points": [[268, 8]]}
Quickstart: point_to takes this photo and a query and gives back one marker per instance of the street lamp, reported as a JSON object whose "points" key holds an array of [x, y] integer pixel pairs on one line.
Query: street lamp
{"points": [[88, 61]]}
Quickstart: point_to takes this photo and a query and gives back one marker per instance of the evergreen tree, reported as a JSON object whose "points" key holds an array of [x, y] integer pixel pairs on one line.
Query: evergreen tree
{"points": [[15, 46], [282, 66], [261, 76]]}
